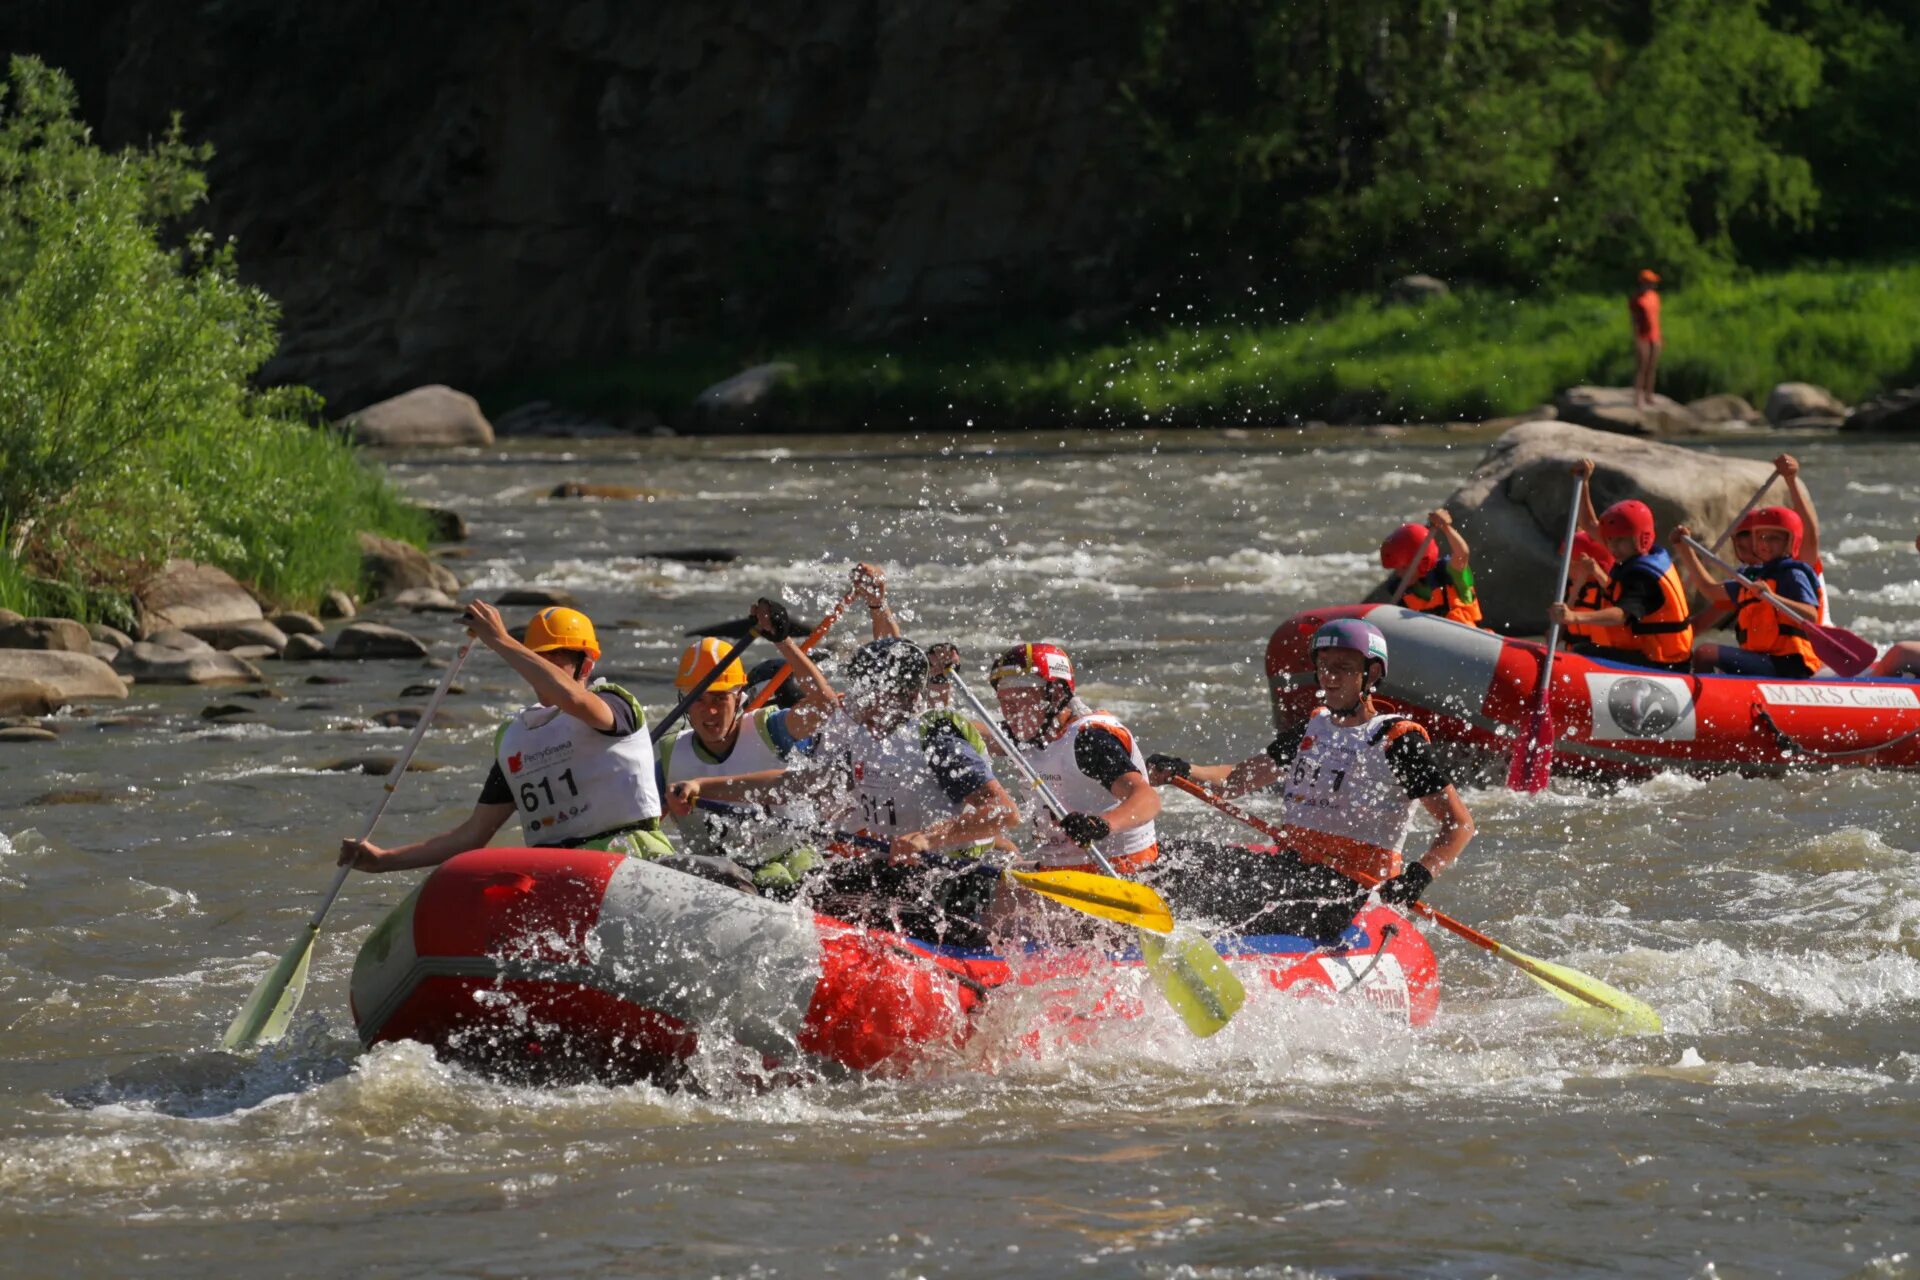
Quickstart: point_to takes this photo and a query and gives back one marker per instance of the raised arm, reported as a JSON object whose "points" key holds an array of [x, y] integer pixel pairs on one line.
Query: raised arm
{"points": [[554, 687], [1789, 468]]}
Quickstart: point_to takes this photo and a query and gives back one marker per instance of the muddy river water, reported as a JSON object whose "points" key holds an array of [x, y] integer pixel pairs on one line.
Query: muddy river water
{"points": [[1773, 1130]]}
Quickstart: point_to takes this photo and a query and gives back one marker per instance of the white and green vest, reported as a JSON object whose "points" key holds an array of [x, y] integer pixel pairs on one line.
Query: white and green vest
{"points": [[571, 782]]}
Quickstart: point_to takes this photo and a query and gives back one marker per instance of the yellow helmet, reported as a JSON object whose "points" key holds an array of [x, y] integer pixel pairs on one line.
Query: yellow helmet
{"points": [[562, 629], [703, 656]]}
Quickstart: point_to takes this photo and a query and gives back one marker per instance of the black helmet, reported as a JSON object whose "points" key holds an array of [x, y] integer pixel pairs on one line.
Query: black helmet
{"points": [[890, 665], [787, 695]]}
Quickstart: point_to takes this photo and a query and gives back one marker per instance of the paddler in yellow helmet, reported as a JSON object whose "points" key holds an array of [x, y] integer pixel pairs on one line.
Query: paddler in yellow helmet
{"points": [[577, 765], [721, 738]]}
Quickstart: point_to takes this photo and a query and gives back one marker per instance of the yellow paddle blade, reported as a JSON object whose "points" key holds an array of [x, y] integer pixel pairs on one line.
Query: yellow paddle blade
{"points": [[1608, 1008], [264, 1017], [1194, 980], [1103, 896]]}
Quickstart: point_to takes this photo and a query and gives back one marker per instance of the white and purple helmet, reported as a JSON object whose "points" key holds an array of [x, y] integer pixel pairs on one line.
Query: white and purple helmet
{"points": [[1352, 633]]}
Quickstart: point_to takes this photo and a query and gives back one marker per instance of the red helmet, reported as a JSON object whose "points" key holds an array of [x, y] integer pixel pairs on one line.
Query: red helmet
{"points": [[1585, 544], [1784, 519], [1630, 519], [1032, 666], [1397, 552]]}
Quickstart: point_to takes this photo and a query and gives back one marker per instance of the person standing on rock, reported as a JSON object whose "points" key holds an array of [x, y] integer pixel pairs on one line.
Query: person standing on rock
{"points": [[577, 765], [1643, 617], [1643, 310], [1442, 583]]}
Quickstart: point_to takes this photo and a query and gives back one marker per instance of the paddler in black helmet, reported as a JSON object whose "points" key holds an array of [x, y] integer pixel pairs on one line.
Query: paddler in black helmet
{"points": [[577, 765], [1351, 775], [912, 777]]}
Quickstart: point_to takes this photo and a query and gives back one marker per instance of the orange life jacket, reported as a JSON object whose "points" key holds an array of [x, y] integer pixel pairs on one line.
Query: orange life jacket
{"points": [[1666, 634], [1764, 629], [1435, 593], [1592, 596]]}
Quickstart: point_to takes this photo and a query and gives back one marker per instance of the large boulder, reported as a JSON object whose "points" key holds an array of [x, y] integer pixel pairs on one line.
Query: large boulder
{"points": [[28, 697], [73, 676], [1513, 508], [189, 595], [429, 416], [376, 640], [393, 566], [1612, 409], [60, 634], [741, 399], [1894, 411], [156, 664], [1791, 401]]}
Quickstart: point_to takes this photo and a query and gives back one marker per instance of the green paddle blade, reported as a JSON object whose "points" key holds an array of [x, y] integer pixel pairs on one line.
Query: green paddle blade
{"points": [[1194, 980], [264, 1017], [1108, 897], [1606, 1008]]}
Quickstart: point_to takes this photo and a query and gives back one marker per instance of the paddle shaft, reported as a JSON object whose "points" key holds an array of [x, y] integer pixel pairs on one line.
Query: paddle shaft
{"points": [[693, 694], [1822, 637], [1039, 783], [1752, 502], [818, 634], [1413, 568], [1560, 590]]}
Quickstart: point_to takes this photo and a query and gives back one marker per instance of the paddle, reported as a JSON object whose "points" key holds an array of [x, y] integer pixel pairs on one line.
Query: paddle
{"points": [[818, 634], [659, 731], [1576, 988], [1532, 767], [1413, 567], [1108, 897], [1189, 972], [264, 1017], [1752, 502], [1839, 648]]}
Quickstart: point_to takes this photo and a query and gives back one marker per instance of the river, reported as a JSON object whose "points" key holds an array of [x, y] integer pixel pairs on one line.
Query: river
{"points": [[1773, 1130]]}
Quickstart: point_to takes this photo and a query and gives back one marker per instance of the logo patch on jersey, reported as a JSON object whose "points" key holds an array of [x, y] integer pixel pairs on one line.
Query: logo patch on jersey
{"points": [[513, 763], [1306, 743]]}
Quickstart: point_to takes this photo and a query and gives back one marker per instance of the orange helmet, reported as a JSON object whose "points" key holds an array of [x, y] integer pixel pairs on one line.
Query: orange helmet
{"points": [[1397, 552], [1785, 519], [1630, 519], [559, 628], [703, 656]]}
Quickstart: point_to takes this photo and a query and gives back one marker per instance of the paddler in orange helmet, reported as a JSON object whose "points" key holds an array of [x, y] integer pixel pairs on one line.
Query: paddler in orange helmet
{"points": [[1089, 758], [1770, 643], [577, 765], [1643, 617], [1442, 583]]}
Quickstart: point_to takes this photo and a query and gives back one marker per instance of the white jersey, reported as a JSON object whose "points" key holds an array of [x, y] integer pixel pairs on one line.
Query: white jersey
{"points": [[1345, 806], [683, 758], [1055, 762], [895, 789], [572, 782]]}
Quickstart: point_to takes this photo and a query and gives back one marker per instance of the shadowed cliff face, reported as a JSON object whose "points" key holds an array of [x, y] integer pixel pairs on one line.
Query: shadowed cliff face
{"points": [[438, 191]]}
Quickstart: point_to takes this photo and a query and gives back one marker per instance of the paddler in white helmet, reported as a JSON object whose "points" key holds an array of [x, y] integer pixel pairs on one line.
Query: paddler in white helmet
{"points": [[722, 739], [576, 765], [914, 778], [1351, 775], [1089, 759]]}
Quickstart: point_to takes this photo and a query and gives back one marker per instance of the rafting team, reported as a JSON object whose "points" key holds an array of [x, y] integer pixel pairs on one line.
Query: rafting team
{"points": [[877, 801]]}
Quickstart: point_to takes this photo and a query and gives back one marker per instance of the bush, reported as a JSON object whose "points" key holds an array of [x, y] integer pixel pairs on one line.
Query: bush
{"points": [[130, 428]]}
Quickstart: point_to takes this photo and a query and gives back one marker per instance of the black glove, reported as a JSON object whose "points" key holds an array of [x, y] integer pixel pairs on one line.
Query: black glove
{"points": [[1085, 828], [779, 623], [1174, 765], [1406, 887]]}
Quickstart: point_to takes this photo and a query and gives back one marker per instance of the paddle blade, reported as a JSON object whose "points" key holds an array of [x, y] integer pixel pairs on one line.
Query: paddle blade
{"points": [[1607, 1008], [1194, 980], [1103, 896], [1842, 650], [1532, 767], [264, 1017]]}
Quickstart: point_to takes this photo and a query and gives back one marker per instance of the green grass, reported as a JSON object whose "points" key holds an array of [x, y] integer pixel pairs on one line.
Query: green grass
{"points": [[1853, 329]]}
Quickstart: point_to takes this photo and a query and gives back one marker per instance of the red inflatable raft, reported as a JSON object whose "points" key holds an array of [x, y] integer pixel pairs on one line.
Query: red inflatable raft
{"points": [[574, 963], [1476, 689]]}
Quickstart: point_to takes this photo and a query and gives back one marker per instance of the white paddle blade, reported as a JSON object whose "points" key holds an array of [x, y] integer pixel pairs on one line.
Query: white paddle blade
{"points": [[264, 1017]]}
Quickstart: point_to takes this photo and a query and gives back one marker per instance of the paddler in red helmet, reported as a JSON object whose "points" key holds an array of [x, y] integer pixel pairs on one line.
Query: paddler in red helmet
{"points": [[1770, 644], [1090, 759], [1442, 584], [1643, 617], [1351, 776]]}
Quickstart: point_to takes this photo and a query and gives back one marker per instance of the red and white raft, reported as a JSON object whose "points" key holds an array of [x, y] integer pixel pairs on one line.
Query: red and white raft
{"points": [[1475, 690], [575, 963]]}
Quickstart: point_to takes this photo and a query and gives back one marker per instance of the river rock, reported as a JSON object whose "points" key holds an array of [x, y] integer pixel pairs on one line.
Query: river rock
{"points": [[1894, 411], [68, 795], [1416, 289], [101, 633], [426, 600], [608, 492], [742, 398], [538, 597], [376, 766], [1790, 400], [255, 633], [297, 624], [393, 566], [175, 638], [8, 617], [376, 640], [105, 652], [448, 525], [700, 557], [1725, 407], [433, 416], [1513, 508], [74, 677], [27, 733], [150, 663], [188, 595], [254, 652], [28, 697], [335, 603], [1612, 409], [62, 635], [304, 648], [226, 711], [426, 690]]}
